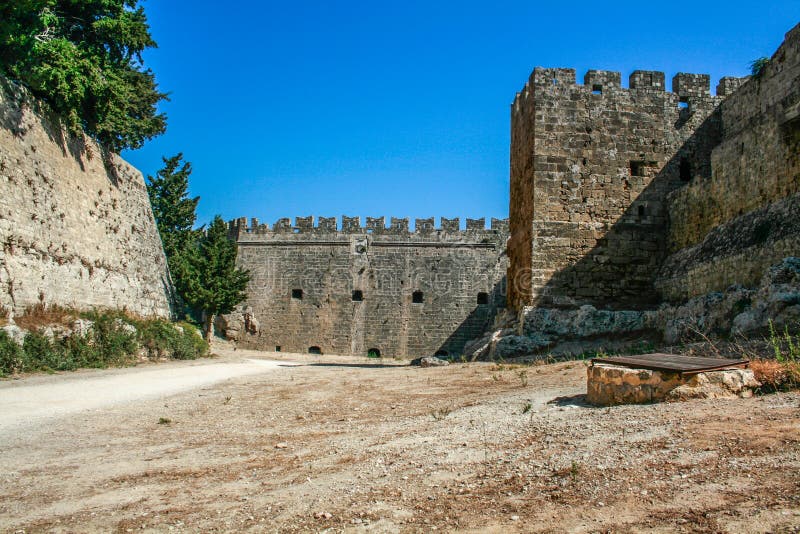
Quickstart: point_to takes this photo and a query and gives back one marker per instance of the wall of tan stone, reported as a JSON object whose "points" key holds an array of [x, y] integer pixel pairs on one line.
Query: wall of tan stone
{"points": [[730, 227], [758, 160], [591, 167], [304, 275], [76, 231]]}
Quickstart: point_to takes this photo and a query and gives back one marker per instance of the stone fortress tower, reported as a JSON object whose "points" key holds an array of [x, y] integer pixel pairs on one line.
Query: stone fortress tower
{"points": [[624, 200]]}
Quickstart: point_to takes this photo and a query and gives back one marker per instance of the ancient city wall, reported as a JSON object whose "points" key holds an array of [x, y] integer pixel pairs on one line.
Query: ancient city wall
{"points": [[75, 231], [359, 289], [730, 227], [591, 168]]}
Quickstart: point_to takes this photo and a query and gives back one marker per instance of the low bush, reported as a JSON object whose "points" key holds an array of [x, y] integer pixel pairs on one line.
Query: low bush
{"points": [[162, 339], [42, 354], [776, 376], [115, 339], [40, 316], [11, 355]]}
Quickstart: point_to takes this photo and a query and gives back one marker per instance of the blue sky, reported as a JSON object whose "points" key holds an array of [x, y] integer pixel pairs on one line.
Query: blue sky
{"points": [[399, 108]]}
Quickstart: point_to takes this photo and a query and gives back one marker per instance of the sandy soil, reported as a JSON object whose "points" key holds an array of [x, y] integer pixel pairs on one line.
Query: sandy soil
{"points": [[343, 444]]}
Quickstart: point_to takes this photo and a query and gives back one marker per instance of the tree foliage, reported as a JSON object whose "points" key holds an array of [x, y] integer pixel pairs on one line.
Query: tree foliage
{"points": [[85, 58], [213, 282], [173, 210], [757, 66]]}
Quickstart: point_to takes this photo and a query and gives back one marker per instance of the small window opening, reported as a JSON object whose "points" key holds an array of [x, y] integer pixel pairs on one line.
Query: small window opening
{"points": [[442, 353], [297, 294], [685, 170], [555, 81], [597, 89], [483, 298], [637, 168], [641, 211], [417, 297], [315, 350], [683, 102], [277, 348], [358, 295], [374, 353]]}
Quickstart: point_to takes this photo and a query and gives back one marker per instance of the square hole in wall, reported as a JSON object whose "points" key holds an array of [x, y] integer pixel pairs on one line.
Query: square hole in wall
{"points": [[358, 295], [483, 298], [297, 294], [417, 297], [638, 168], [277, 348], [597, 89]]}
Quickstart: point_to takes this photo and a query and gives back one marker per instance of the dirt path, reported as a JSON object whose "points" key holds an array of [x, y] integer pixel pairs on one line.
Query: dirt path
{"points": [[342, 444], [34, 401]]}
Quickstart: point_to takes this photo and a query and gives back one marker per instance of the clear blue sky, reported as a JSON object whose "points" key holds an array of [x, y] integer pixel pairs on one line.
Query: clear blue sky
{"points": [[399, 108]]}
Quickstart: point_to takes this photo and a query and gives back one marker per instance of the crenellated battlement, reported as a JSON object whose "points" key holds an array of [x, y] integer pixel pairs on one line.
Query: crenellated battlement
{"points": [[374, 226], [685, 86]]}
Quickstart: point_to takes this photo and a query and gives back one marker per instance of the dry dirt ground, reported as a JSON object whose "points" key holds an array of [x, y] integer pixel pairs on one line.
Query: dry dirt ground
{"points": [[343, 444]]}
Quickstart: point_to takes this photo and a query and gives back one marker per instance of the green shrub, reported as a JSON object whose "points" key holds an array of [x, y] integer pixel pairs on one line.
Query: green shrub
{"points": [[11, 355], [163, 339], [192, 344], [42, 354], [114, 338]]}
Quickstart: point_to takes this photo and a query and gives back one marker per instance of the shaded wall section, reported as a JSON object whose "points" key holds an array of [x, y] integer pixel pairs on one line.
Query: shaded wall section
{"points": [[591, 168], [75, 225], [729, 228], [354, 289]]}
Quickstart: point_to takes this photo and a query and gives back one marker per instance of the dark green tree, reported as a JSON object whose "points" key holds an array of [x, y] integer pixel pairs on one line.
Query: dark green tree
{"points": [[175, 216], [84, 57], [214, 284], [173, 210]]}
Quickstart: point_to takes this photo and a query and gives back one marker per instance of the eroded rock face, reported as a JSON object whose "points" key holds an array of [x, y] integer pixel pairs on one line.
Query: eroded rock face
{"points": [[514, 346], [609, 385], [235, 325], [736, 311], [430, 361], [716, 385]]}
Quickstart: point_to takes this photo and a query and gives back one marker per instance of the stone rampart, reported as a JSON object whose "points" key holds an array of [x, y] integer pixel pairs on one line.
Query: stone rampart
{"points": [[75, 225], [354, 289], [730, 227]]}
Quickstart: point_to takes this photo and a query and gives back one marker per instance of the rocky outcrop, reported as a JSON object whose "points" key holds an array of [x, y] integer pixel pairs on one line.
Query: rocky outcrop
{"points": [[236, 325], [738, 311]]}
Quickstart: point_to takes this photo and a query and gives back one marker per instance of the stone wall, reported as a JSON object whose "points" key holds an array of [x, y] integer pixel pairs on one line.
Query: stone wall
{"points": [[730, 227], [76, 227], [304, 279], [591, 168]]}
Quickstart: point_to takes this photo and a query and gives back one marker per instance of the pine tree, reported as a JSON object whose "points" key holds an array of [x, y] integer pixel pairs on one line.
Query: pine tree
{"points": [[173, 209], [175, 215], [214, 284]]}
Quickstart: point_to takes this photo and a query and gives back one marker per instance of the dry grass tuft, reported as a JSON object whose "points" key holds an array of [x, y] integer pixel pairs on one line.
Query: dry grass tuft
{"points": [[776, 376], [40, 316]]}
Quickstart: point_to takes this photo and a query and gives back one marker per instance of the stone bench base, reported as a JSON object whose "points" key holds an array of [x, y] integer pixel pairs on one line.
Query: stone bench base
{"points": [[608, 385]]}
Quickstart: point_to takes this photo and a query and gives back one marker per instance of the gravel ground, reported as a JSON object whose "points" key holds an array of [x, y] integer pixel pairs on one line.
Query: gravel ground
{"points": [[345, 444]]}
